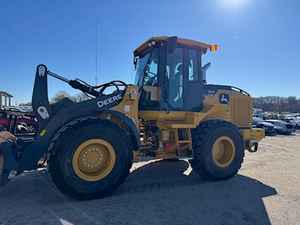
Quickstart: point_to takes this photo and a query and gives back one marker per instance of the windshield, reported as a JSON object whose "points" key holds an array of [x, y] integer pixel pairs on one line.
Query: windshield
{"points": [[141, 63]]}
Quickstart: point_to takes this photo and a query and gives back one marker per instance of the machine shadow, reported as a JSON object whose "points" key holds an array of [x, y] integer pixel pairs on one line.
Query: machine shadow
{"points": [[163, 192], [168, 192]]}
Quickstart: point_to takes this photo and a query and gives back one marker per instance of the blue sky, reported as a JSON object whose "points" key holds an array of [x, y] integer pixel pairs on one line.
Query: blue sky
{"points": [[259, 40]]}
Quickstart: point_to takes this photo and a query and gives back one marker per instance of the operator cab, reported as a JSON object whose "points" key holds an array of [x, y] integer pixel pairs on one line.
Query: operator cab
{"points": [[170, 75]]}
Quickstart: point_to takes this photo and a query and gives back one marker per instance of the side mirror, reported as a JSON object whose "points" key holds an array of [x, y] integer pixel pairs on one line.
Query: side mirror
{"points": [[171, 44], [206, 66], [204, 69], [135, 60], [146, 69]]}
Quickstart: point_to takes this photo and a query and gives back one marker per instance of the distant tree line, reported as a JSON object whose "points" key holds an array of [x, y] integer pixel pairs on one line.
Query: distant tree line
{"points": [[278, 104], [61, 95], [268, 104]]}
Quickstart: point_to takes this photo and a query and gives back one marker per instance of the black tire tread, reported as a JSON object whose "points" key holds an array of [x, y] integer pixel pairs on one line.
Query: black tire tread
{"points": [[199, 137], [55, 167]]}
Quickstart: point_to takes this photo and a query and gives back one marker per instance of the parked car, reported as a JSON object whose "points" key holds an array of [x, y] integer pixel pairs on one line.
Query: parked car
{"points": [[282, 127], [269, 128], [256, 120], [297, 121], [294, 121]]}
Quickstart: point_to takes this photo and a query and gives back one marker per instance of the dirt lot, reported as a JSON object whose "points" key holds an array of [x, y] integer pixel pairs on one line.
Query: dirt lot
{"points": [[267, 191]]}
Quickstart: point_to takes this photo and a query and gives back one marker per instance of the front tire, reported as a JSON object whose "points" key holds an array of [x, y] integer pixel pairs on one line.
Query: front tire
{"points": [[91, 161], [218, 149]]}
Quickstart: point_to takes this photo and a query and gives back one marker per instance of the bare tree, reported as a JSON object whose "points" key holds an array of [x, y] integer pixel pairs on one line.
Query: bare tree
{"points": [[278, 104], [81, 97], [61, 95]]}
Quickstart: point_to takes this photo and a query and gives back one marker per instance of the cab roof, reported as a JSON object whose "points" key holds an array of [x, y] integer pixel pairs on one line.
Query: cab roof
{"points": [[187, 42]]}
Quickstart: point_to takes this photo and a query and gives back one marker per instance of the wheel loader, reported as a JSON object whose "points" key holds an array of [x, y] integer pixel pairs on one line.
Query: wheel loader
{"points": [[170, 112]]}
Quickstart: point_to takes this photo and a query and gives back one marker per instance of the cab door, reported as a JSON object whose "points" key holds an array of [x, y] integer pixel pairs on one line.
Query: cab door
{"points": [[150, 93], [174, 79], [193, 89], [182, 81]]}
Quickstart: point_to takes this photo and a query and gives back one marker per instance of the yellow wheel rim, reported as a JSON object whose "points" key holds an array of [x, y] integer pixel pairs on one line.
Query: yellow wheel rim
{"points": [[94, 159], [223, 151]]}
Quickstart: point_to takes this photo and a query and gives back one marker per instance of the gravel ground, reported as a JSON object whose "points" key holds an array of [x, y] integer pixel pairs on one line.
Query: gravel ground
{"points": [[266, 191]]}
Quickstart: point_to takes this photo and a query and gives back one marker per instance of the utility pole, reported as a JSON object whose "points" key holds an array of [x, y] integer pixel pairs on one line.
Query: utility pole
{"points": [[96, 75]]}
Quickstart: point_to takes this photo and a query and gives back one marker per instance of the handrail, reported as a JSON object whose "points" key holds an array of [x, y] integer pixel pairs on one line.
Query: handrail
{"points": [[227, 87], [240, 90]]}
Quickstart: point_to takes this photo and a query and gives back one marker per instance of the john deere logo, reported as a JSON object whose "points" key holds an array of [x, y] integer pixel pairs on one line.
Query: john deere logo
{"points": [[224, 98], [109, 100]]}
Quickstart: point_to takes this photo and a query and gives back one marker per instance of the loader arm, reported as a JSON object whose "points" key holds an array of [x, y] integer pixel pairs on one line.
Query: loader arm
{"points": [[40, 100]]}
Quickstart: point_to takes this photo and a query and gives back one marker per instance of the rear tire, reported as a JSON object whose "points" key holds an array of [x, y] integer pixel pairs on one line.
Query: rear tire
{"points": [[79, 180], [218, 149]]}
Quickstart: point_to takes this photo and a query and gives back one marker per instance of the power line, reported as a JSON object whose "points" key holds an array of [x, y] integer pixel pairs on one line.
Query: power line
{"points": [[96, 75]]}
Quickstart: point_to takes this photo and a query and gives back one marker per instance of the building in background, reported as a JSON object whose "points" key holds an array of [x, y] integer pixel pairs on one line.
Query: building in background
{"points": [[5, 99]]}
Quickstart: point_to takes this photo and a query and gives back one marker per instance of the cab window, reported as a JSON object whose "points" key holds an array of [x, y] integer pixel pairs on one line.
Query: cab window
{"points": [[174, 77], [147, 79], [151, 70], [193, 65]]}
